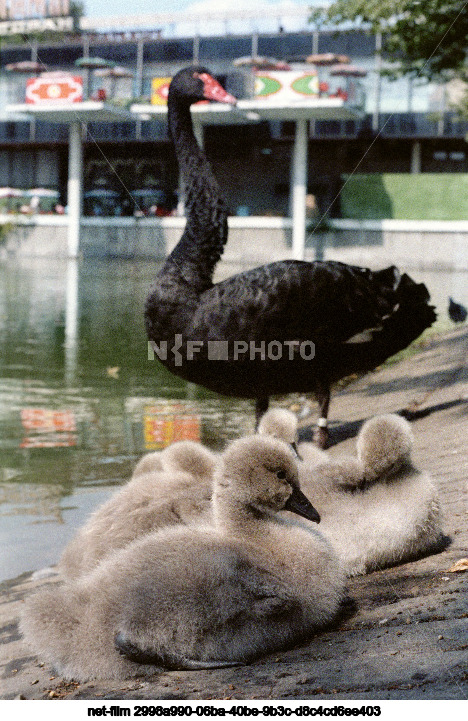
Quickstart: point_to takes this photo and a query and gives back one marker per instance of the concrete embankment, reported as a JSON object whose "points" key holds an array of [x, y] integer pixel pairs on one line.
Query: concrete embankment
{"points": [[410, 244]]}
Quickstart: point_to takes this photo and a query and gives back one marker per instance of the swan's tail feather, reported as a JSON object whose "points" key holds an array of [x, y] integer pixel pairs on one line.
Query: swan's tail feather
{"points": [[411, 315], [412, 312], [167, 660]]}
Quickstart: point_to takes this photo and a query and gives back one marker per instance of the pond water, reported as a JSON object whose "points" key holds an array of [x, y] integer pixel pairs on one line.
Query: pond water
{"points": [[80, 402]]}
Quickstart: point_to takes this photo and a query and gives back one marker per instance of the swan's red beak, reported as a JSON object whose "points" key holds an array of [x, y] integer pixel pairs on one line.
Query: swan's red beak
{"points": [[214, 91]]}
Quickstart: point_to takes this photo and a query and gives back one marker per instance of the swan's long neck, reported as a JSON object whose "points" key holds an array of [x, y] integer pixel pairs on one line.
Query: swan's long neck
{"points": [[236, 518], [205, 234]]}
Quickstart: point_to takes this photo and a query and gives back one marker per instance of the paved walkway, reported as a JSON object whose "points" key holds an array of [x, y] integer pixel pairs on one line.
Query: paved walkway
{"points": [[409, 636]]}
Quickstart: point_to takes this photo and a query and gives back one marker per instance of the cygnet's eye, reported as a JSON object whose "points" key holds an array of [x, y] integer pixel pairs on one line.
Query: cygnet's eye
{"points": [[281, 474]]}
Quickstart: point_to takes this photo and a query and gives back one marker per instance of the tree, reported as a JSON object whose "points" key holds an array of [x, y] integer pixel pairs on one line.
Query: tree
{"points": [[77, 10], [427, 38]]}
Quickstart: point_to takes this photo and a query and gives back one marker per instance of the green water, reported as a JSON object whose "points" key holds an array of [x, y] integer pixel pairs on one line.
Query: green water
{"points": [[75, 388]]}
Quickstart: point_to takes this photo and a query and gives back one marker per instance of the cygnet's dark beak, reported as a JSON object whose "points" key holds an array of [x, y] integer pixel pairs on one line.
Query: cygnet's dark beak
{"points": [[298, 503], [296, 452]]}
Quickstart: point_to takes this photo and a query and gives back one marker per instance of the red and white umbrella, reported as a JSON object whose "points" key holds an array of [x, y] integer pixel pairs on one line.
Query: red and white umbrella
{"points": [[261, 63], [326, 59], [348, 71], [116, 72], [25, 66]]}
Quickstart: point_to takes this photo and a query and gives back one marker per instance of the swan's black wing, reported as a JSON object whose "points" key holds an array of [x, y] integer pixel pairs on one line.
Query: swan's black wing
{"points": [[355, 318], [288, 300]]}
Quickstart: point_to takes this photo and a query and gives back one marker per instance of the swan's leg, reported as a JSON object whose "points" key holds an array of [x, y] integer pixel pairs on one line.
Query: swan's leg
{"points": [[261, 407], [321, 434]]}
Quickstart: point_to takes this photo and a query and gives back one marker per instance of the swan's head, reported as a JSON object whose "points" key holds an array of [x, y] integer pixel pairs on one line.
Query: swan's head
{"points": [[149, 463], [282, 424], [189, 457], [279, 423], [384, 445], [261, 473], [196, 83]]}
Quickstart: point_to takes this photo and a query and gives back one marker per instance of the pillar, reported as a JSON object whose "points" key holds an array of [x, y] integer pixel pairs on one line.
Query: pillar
{"points": [[75, 179], [299, 190]]}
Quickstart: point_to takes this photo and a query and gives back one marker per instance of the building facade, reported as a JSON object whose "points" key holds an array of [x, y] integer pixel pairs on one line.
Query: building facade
{"points": [[405, 126]]}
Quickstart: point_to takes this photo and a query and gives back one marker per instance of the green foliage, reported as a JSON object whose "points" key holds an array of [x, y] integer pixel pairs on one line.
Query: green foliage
{"points": [[462, 109], [427, 38], [424, 196], [77, 10]]}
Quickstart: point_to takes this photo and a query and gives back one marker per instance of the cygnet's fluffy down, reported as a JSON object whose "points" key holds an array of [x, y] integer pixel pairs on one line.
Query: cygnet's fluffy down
{"points": [[282, 423], [149, 463], [279, 423], [377, 510], [199, 597], [167, 487], [187, 456], [311, 454], [178, 493]]}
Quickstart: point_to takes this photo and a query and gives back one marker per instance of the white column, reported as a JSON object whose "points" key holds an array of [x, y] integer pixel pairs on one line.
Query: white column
{"points": [[443, 108], [299, 190], [378, 81], [87, 72], [75, 177], [416, 157], [139, 81], [196, 49], [139, 67]]}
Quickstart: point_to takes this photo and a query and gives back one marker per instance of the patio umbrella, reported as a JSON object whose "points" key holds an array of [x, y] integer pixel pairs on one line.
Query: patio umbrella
{"points": [[25, 66], [348, 71], [93, 63], [115, 72], [261, 63], [326, 59]]}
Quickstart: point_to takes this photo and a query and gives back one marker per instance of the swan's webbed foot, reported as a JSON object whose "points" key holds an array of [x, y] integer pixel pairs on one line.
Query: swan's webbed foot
{"points": [[137, 655], [133, 653]]}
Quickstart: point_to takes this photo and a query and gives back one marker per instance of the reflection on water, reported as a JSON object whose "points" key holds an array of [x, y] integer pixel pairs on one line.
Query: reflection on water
{"points": [[80, 401]]}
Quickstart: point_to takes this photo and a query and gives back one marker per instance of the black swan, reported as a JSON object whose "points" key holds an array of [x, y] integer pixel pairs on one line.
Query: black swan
{"points": [[456, 311], [289, 326]]}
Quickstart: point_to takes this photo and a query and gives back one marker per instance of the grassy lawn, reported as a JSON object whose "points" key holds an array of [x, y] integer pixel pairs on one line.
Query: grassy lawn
{"points": [[426, 196]]}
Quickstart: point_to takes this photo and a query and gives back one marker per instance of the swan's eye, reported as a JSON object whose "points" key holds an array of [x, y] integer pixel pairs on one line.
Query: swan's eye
{"points": [[281, 475]]}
